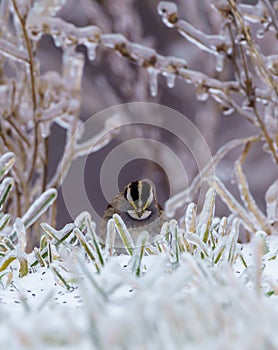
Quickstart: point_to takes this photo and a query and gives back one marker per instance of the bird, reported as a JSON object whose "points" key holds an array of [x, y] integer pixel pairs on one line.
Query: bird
{"points": [[138, 207]]}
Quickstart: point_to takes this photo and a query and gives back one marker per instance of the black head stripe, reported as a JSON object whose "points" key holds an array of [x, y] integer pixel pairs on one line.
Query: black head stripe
{"points": [[125, 192], [134, 191]]}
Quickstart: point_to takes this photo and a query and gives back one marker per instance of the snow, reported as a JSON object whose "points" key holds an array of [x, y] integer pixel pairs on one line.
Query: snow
{"points": [[208, 307]]}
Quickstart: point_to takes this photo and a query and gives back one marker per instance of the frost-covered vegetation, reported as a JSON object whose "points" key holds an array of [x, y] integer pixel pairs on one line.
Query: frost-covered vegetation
{"points": [[195, 286]]}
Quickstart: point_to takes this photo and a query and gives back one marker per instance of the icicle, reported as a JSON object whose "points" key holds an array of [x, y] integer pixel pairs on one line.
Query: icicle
{"points": [[57, 37], [153, 73], [240, 39], [45, 129], [260, 33], [170, 79], [219, 62], [201, 93], [227, 110], [91, 49]]}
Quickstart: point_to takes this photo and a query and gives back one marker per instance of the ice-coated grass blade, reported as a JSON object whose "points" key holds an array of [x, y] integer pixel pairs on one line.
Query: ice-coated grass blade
{"points": [[196, 240], [92, 232], [4, 220], [124, 234], [39, 258], [15, 255], [39, 207], [248, 199], [21, 233], [110, 238], [190, 218], [174, 249], [233, 239], [138, 253], [222, 226], [6, 163], [58, 235], [80, 220], [80, 236], [90, 278], [5, 188], [219, 252], [206, 216], [50, 231], [264, 238], [58, 238], [232, 203], [8, 243], [60, 277]]}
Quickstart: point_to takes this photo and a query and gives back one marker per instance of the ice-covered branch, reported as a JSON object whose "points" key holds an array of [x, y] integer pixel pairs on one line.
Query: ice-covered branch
{"points": [[69, 36], [217, 45]]}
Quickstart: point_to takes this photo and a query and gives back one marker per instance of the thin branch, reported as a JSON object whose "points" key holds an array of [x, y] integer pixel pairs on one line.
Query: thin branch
{"points": [[255, 54], [33, 87]]}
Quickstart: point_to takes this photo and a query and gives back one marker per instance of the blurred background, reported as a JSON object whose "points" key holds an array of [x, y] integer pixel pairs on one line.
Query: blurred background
{"points": [[111, 80]]}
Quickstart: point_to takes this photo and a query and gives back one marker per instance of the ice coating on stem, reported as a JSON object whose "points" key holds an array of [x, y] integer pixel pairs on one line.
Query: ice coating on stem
{"points": [[39, 207], [65, 35], [110, 238], [142, 53], [113, 40], [271, 63], [190, 218], [218, 45], [5, 187], [253, 13], [168, 11], [208, 43], [255, 213], [4, 220], [73, 64], [20, 230], [6, 162], [12, 52], [271, 198], [47, 7], [124, 233], [135, 261]]}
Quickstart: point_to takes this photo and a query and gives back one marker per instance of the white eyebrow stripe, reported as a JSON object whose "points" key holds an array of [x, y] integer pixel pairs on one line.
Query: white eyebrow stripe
{"points": [[150, 198], [128, 195], [140, 188]]}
